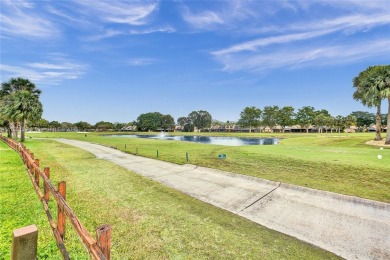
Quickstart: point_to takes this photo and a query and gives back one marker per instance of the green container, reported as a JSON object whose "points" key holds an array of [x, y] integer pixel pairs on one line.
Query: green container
{"points": [[222, 156]]}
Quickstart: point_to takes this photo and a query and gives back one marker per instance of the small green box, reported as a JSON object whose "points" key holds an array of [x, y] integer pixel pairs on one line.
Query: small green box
{"points": [[222, 156]]}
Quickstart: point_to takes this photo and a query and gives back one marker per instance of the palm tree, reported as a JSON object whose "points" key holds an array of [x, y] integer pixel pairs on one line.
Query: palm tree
{"points": [[373, 85], [18, 84], [13, 106], [5, 124], [19, 107], [384, 86]]}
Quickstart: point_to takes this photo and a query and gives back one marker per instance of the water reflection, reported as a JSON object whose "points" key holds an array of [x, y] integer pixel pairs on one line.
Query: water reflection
{"points": [[217, 140]]}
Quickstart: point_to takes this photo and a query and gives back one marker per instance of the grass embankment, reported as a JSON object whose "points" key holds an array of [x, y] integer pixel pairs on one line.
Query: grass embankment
{"points": [[334, 162], [20, 207], [151, 221]]}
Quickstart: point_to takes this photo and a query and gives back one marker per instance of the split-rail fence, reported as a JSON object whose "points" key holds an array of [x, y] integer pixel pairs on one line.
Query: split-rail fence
{"points": [[97, 249]]}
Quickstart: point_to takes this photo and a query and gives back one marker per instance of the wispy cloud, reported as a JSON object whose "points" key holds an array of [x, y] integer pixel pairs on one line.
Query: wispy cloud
{"points": [[20, 18], [255, 44], [117, 11], [104, 35], [203, 19], [329, 39], [165, 29], [45, 73], [64, 14], [303, 56], [140, 61], [109, 33], [348, 24], [220, 15]]}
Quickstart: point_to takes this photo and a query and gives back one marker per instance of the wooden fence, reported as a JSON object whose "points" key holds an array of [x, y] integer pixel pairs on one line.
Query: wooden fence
{"points": [[99, 248]]}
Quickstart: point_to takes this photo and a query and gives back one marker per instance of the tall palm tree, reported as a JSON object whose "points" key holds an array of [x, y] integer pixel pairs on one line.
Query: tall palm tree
{"points": [[18, 84], [371, 88], [384, 89], [9, 99], [19, 107]]}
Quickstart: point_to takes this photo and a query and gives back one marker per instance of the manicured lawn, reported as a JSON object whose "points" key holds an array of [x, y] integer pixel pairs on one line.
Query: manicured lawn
{"points": [[20, 207], [334, 162], [149, 220]]}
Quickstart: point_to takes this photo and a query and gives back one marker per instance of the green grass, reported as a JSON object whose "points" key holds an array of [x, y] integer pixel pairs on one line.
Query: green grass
{"points": [[149, 220], [334, 162], [20, 206]]}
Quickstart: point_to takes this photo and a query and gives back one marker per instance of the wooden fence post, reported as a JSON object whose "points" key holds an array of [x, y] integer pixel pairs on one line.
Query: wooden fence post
{"points": [[24, 243], [46, 189], [36, 172], [104, 239], [61, 220], [28, 159]]}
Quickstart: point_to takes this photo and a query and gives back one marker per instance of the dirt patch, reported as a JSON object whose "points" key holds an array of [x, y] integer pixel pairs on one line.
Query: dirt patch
{"points": [[378, 143]]}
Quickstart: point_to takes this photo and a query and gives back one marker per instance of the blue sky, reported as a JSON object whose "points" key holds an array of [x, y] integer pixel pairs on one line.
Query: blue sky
{"points": [[113, 60]]}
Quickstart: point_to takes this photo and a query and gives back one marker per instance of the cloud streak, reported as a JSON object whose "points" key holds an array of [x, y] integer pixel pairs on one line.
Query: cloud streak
{"points": [[202, 19], [140, 61], [323, 41], [164, 29], [316, 29], [121, 12], [18, 18], [45, 73], [303, 56]]}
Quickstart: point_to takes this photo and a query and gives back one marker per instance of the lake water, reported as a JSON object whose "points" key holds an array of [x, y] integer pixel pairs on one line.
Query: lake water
{"points": [[217, 140]]}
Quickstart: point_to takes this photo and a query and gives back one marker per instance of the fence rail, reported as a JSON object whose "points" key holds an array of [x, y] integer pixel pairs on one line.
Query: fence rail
{"points": [[97, 249]]}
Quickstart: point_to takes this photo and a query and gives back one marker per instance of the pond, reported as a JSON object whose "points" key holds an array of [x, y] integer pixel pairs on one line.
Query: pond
{"points": [[217, 140]]}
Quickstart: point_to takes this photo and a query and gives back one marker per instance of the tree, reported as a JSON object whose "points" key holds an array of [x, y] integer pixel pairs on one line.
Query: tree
{"points": [[55, 126], [186, 124], [8, 97], [384, 119], [118, 126], [321, 120], [285, 117], [270, 116], [372, 85], [149, 121], [6, 124], [41, 123], [167, 122], [104, 126], [305, 117], [363, 118], [82, 126], [349, 121], [66, 126], [200, 119], [323, 112], [250, 117], [18, 84], [19, 107], [338, 122]]}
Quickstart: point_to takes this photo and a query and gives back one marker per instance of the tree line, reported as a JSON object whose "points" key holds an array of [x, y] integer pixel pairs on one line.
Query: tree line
{"points": [[20, 107], [306, 117], [202, 120]]}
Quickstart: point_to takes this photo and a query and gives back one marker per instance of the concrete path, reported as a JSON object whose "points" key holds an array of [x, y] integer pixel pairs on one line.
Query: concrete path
{"points": [[348, 226]]}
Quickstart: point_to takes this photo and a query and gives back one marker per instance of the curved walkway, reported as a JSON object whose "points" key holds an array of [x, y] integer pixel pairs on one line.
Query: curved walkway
{"points": [[350, 227]]}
